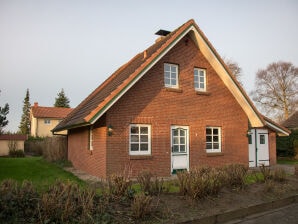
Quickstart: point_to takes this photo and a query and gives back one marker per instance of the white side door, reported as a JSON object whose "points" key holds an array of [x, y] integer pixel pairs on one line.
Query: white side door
{"points": [[180, 148], [258, 148]]}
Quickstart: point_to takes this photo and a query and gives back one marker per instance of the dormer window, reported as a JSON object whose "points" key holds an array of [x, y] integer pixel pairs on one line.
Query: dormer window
{"points": [[200, 79], [171, 75]]}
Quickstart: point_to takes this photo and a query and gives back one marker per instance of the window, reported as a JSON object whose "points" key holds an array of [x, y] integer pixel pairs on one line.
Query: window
{"points": [[262, 139], [140, 139], [213, 139], [90, 145], [171, 75], [200, 79], [47, 121]]}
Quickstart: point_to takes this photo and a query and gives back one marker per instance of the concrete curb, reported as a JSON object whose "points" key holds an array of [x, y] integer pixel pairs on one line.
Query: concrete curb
{"points": [[244, 212]]}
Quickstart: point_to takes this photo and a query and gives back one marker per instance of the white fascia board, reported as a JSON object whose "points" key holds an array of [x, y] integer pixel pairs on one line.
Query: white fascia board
{"points": [[274, 127]]}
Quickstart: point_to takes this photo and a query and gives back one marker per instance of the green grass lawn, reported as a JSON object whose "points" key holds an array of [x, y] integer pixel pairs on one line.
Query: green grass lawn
{"points": [[35, 169], [287, 161]]}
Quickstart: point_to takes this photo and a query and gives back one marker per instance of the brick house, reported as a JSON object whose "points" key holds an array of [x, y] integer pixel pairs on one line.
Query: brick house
{"points": [[173, 106], [44, 119]]}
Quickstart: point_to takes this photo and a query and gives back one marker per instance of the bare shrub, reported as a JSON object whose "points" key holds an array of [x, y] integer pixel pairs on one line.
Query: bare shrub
{"points": [[279, 174], [141, 205], [266, 172], [200, 182], [235, 175], [149, 184]]}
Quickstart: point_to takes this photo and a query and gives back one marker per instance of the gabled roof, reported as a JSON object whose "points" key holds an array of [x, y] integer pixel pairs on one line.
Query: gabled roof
{"points": [[292, 121], [103, 97], [50, 112]]}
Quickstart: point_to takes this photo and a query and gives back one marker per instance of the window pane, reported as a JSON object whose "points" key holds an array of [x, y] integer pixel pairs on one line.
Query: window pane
{"points": [[173, 82], [134, 130], [196, 72], [174, 68], [167, 75], [182, 140], [167, 67], [262, 139], [175, 132], [250, 139], [182, 132], [144, 147], [208, 131], [134, 147], [208, 145], [215, 146], [201, 79], [175, 140], [144, 130], [134, 138], [144, 138], [196, 78], [175, 148], [202, 86], [215, 138], [215, 131], [208, 138], [182, 148]]}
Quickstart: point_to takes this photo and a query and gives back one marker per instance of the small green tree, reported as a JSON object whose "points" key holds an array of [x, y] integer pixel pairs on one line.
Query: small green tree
{"points": [[3, 119], [24, 127], [61, 100]]}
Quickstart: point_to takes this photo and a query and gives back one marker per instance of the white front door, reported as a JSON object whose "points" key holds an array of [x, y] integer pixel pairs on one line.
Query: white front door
{"points": [[258, 147], [180, 148]]}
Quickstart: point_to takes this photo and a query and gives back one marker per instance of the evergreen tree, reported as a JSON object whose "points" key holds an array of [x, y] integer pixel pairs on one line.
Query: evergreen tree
{"points": [[61, 100], [25, 120], [3, 120]]}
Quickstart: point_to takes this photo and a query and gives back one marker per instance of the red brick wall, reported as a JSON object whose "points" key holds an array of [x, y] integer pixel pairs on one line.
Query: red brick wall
{"points": [[272, 148], [149, 102], [90, 161]]}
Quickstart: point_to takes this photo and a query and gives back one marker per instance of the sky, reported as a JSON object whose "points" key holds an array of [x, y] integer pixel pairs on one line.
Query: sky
{"points": [[47, 45]]}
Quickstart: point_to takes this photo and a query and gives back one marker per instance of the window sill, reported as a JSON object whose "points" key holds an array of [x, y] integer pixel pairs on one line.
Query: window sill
{"points": [[204, 93], [176, 90], [140, 157], [213, 154]]}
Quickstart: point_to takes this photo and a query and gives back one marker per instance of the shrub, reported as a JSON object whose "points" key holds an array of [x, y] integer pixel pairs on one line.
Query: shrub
{"points": [[235, 175], [18, 203], [141, 205], [148, 185], [16, 153], [279, 175], [266, 173], [119, 185], [200, 182]]}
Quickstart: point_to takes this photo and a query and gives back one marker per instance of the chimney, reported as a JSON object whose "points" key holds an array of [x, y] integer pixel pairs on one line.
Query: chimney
{"points": [[35, 104], [162, 34]]}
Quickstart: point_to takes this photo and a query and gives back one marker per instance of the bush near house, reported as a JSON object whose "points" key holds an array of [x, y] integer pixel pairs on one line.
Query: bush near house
{"points": [[287, 146]]}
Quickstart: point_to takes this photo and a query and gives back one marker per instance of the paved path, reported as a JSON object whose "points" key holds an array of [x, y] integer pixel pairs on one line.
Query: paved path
{"points": [[288, 215]]}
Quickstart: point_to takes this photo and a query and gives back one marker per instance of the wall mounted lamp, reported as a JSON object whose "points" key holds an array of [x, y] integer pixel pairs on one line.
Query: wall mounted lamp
{"points": [[110, 130]]}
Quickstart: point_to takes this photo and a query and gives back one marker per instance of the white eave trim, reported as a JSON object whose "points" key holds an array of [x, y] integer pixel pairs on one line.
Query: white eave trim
{"points": [[276, 128]]}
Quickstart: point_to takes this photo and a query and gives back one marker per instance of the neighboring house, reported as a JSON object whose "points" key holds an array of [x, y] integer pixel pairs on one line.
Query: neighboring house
{"points": [[292, 121], [44, 119], [8, 139], [174, 106]]}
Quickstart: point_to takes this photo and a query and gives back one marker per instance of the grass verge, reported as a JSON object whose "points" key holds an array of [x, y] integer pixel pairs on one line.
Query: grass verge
{"points": [[35, 169]]}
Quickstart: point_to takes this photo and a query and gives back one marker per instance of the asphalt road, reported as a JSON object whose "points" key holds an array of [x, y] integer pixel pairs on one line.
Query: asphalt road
{"points": [[287, 215]]}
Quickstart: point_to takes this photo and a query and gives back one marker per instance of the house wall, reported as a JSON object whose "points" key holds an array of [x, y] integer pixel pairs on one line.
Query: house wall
{"points": [[149, 102], [90, 161], [4, 149], [40, 129], [272, 147]]}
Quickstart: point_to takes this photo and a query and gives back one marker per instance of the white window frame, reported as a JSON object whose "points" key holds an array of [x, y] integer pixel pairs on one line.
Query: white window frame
{"points": [[198, 76], [47, 121], [212, 150], [90, 146], [170, 73], [139, 152]]}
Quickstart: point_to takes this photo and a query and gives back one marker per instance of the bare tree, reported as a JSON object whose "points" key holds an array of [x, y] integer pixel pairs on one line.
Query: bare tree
{"points": [[276, 90], [235, 69]]}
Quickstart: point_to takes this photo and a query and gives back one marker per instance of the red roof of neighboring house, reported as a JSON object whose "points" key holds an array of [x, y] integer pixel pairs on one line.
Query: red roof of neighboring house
{"points": [[50, 112], [292, 121], [15, 137]]}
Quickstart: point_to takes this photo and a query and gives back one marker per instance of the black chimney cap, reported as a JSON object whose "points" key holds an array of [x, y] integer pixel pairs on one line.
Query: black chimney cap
{"points": [[162, 32]]}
